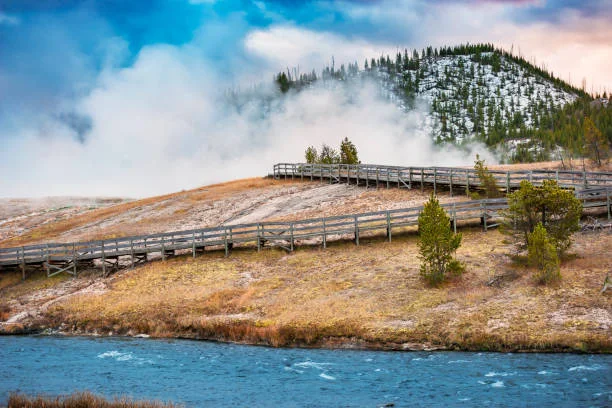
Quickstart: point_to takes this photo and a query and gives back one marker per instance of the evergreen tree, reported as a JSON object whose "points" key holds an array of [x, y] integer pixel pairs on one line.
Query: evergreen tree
{"points": [[543, 255], [348, 152], [311, 155], [486, 179], [558, 210], [437, 244]]}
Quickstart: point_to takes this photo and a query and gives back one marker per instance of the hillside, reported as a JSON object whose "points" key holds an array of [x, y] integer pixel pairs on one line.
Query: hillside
{"points": [[476, 93], [367, 296]]}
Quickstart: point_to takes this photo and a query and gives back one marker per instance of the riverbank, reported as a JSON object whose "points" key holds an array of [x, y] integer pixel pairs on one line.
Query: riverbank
{"points": [[346, 296], [78, 400]]}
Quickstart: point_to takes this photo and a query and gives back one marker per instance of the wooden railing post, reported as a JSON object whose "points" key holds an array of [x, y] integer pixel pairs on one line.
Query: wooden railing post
{"points": [[389, 226], [356, 231], [507, 182], [23, 264], [410, 178], [435, 179], [608, 203], [132, 251], [451, 182], [225, 243], [47, 259], [74, 259], [103, 260], [291, 230], [324, 235], [163, 247], [258, 239], [193, 244], [422, 180], [467, 182]]}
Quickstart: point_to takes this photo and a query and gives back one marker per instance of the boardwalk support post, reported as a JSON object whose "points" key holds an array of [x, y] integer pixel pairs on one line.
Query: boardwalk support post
{"points": [[225, 243], [435, 180], [74, 259], [422, 180], [324, 235], [132, 251], [507, 182], [389, 226], [103, 260]]}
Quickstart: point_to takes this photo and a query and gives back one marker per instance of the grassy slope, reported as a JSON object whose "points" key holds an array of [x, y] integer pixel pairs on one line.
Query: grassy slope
{"points": [[368, 296]]}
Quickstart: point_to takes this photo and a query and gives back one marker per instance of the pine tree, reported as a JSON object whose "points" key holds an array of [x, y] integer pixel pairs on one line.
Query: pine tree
{"points": [[311, 155], [487, 180], [558, 210], [348, 152], [437, 244], [543, 255]]}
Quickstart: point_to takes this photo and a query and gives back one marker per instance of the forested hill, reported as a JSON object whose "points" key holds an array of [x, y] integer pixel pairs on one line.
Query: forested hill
{"points": [[478, 92]]}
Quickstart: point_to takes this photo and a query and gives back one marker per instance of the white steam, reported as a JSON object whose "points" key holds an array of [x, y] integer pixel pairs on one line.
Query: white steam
{"points": [[163, 125]]}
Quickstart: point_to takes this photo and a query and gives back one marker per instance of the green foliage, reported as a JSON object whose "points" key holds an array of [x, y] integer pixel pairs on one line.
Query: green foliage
{"points": [[328, 155], [283, 82], [311, 155], [467, 106], [348, 152], [596, 146], [556, 209], [437, 244], [486, 179], [543, 255]]}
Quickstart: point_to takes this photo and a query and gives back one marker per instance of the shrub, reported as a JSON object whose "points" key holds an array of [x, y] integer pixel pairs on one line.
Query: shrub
{"points": [[486, 179], [437, 244], [543, 255], [556, 209]]}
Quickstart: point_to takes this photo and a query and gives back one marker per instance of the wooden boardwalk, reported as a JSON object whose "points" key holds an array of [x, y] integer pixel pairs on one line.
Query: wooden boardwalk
{"points": [[453, 179], [69, 257]]}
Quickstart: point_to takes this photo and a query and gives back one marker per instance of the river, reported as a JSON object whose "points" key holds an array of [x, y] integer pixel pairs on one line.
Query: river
{"points": [[199, 374]]}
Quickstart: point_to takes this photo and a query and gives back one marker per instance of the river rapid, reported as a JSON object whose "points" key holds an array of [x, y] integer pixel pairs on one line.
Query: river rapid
{"points": [[197, 374]]}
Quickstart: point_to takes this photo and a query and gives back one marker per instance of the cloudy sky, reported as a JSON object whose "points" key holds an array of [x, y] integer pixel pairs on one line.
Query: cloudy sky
{"points": [[117, 97]]}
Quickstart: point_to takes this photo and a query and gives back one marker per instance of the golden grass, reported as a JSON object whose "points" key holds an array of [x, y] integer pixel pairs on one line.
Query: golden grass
{"points": [[369, 295], [80, 400]]}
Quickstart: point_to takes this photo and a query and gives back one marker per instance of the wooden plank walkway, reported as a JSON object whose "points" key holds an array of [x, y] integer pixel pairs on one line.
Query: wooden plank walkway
{"points": [[452, 178], [68, 257]]}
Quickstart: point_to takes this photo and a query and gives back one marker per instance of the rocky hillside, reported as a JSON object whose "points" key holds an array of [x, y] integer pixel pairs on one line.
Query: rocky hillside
{"points": [[476, 93]]}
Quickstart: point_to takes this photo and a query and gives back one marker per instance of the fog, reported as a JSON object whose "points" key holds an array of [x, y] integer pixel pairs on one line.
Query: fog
{"points": [[165, 123]]}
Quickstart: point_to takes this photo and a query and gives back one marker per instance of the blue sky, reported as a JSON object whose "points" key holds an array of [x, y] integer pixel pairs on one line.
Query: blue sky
{"points": [[62, 60]]}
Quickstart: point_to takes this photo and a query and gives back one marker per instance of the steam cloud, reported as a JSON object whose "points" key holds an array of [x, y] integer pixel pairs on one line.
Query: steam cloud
{"points": [[164, 124]]}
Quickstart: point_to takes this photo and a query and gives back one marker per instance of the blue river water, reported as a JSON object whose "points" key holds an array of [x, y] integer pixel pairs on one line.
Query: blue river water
{"points": [[199, 374]]}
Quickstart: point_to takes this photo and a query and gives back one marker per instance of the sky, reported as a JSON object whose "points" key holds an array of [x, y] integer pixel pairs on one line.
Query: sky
{"points": [[122, 97]]}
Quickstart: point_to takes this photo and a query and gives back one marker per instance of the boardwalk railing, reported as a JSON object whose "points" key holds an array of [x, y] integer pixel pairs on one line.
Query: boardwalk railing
{"points": [[67, 257], [449, 177]]}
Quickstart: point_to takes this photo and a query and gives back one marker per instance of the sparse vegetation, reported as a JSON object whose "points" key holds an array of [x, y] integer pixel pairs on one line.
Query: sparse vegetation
{"points": [[347, 154], [437, 244], [80, 400]]}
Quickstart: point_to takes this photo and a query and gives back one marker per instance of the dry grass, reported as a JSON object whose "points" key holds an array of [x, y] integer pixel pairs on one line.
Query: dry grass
{"points": [[53, 230], [80, 400], [369, 296]]}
